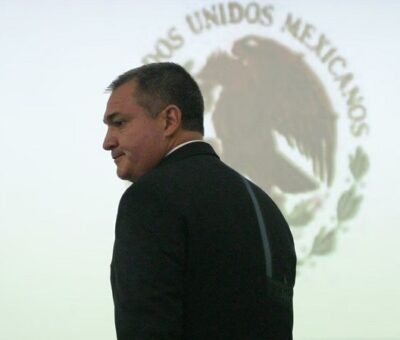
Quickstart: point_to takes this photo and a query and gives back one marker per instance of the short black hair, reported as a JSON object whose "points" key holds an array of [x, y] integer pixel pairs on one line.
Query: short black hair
{"points": [[162, 84]]}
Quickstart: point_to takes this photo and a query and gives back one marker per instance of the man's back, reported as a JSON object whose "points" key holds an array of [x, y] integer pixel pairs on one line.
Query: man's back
{"points": [[201, 253]]}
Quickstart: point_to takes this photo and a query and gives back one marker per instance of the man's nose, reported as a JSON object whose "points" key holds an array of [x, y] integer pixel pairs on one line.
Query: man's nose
{"points": [[110, 142]]}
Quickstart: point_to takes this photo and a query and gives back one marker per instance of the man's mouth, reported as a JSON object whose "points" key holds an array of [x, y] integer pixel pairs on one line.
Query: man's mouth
{"points": [[117, 156]]}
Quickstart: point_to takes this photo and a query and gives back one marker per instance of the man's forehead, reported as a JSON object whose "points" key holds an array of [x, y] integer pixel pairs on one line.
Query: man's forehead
{"points": [[122, 95], [114, 105], [121, 100]]}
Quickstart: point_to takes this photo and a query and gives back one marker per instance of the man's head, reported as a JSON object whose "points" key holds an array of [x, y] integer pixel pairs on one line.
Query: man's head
{"points": [[151, 109]]}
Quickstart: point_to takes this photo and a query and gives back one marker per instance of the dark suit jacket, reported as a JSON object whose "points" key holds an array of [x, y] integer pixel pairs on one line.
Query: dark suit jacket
{"points": [[201, 253]]}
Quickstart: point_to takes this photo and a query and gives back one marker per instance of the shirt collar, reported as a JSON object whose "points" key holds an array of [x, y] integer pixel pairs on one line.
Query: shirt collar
{"points": [[183, 144]]}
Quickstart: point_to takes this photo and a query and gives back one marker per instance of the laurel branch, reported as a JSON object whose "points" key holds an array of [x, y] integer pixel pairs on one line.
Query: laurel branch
{"points": [[347, 206], [302, 214]]}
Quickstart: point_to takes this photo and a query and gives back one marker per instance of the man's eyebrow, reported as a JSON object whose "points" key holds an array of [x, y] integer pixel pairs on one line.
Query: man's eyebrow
{"points": [[110, 117]]}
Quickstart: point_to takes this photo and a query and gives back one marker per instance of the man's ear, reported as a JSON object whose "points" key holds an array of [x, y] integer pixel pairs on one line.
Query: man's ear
{"points": [[172, 119]]}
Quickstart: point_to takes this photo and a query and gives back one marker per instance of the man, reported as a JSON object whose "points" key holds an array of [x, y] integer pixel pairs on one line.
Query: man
{"points": [[200, 252]]}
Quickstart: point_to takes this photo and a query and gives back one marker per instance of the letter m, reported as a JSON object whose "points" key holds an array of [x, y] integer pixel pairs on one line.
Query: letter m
{"points": [[292, 26]]}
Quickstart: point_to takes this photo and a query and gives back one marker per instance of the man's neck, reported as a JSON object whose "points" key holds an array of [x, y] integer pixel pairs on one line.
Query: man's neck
{"points": [[183, 138]]}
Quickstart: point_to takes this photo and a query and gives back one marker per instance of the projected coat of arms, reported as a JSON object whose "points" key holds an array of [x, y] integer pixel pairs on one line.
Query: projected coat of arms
{"points": [[274, 121]]}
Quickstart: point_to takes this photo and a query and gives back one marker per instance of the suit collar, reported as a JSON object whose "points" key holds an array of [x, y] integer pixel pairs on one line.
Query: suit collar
{"points": [[189, 150]]}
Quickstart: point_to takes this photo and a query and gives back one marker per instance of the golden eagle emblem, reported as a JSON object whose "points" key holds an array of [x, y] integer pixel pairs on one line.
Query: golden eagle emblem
{"points": [[264, 84]]}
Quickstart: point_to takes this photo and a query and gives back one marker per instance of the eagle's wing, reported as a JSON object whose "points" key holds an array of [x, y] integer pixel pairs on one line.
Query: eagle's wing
{"points": [[296, 103]]}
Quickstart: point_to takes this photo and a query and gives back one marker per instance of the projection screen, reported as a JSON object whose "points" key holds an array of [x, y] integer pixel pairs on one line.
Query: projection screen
{"points": [[300, 98]]}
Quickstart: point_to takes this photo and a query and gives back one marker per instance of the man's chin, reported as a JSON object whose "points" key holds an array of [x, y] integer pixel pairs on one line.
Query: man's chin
{"points": [[124, 175]]}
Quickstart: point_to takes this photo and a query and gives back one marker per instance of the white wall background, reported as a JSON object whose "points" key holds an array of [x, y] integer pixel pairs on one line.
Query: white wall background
{"points": [[59, 192]]}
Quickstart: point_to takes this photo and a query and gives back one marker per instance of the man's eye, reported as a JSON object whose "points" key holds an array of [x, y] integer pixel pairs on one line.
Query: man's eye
{"points": [[118, 122]]}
